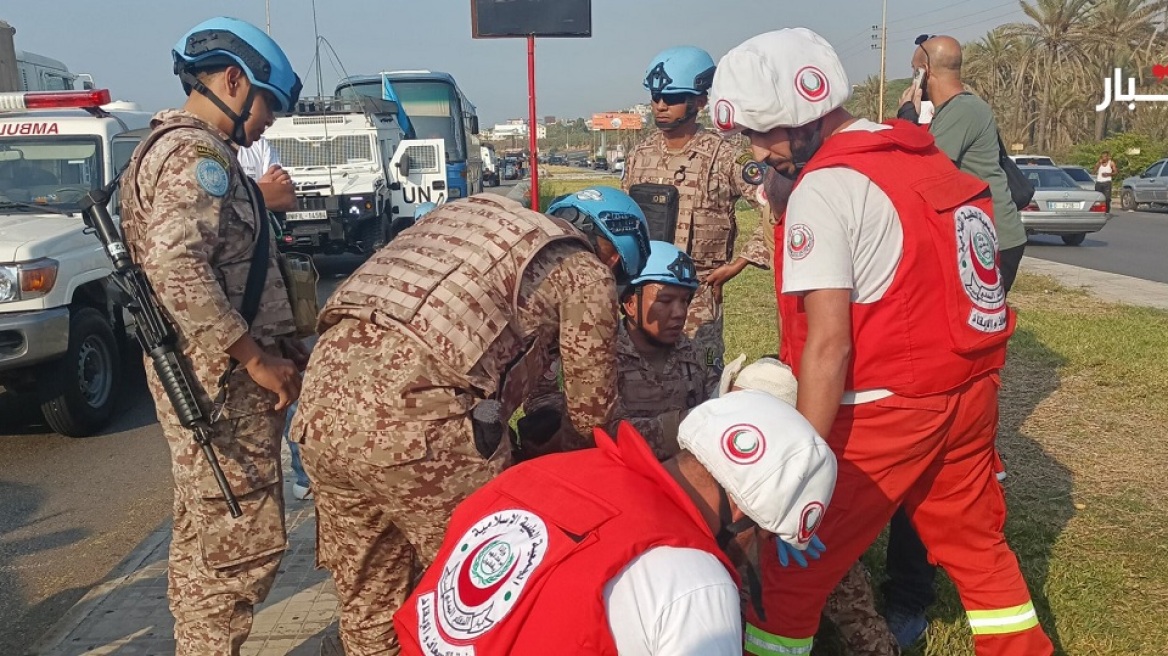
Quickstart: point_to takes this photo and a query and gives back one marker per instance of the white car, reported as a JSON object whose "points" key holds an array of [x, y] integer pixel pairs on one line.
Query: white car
{"points": [[618, 167], [1060, 207], [1032, 160]]}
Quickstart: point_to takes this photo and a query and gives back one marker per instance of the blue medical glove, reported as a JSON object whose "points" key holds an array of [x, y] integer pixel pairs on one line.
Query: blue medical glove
{"points": [[786, 552]]}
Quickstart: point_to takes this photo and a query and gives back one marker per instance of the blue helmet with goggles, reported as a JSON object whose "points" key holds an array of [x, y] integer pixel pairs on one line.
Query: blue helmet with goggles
{"points": [[668, 265], [226, 41], [680, 75], [611, 214], [680, 70]]}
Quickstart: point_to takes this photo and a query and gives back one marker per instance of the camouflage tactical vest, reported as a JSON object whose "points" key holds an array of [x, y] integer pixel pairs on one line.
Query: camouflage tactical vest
{"points": [[705, 218], [646, 392], [452, 282], [238, 227]]}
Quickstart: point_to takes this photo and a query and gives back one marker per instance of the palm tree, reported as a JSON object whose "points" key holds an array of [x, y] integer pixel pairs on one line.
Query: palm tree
{"points": [[1058, 32], [1117, 32]]}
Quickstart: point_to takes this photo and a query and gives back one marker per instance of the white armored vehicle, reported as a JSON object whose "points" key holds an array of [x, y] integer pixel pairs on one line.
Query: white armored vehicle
{"points": [[357, 178]]}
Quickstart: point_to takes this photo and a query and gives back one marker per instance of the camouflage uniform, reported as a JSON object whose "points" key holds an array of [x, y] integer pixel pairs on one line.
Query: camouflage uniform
{"points": [[708, 176], [656, 396], [190, 223], [463, 306], [852, 608]]}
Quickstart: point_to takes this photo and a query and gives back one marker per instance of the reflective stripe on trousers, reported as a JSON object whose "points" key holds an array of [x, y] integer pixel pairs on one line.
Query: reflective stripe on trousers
{"points": [[1003, 620], [765, 644]]}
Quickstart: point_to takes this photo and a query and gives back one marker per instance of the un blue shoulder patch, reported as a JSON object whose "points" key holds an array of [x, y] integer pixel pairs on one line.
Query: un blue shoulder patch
{"points": [[212, 177]]}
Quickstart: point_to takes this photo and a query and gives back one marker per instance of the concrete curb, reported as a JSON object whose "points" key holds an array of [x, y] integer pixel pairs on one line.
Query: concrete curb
{"points": [[1107, 286], [93, 599]]}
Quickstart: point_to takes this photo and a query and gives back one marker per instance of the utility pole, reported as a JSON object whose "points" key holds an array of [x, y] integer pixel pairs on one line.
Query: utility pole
{"points": [[883, 47], [268, 15]]}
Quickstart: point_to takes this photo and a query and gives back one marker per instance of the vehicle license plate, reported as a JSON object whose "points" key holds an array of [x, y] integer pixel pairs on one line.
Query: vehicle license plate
{"points": [[1062, 205], [314, 215]]}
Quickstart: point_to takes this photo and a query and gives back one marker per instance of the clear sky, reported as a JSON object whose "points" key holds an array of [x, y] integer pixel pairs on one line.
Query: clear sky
{"points": [[125, 44]]}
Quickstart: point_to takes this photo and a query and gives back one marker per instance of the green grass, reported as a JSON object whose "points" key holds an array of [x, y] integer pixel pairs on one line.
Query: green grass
{"points": [[1084, 411]]}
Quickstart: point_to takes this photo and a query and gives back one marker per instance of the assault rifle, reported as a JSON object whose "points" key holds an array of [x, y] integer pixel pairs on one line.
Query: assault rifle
{"points": [[154, 332]]}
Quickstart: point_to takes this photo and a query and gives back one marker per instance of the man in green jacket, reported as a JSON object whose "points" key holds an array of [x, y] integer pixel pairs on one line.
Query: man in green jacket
{"points": [[964, 127]]}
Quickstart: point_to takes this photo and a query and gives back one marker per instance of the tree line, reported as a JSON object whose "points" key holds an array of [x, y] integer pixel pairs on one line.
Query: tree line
{"points": [[1045, 76]]}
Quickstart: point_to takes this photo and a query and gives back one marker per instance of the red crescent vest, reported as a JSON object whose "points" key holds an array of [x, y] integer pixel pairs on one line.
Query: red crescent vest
{"points": [[944, 320], [525, 560]]}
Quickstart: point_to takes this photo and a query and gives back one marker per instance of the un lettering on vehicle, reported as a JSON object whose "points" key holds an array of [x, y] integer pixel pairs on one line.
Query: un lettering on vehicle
{"points": [[416, 194], [27, 129]]}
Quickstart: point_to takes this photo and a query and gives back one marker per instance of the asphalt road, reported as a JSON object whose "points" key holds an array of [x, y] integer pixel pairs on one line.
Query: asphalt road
{"points": [[72, 509], [1132, 244]]}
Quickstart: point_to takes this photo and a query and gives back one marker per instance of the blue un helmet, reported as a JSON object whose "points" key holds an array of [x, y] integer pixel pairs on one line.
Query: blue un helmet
{"points": [[423, 209], [684, 69], [609, 213], [226, 41], [680, 75], [668, 265]]}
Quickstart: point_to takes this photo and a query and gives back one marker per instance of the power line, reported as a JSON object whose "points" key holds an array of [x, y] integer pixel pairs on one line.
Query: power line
{"points": [[860, 48], [920, 26]]}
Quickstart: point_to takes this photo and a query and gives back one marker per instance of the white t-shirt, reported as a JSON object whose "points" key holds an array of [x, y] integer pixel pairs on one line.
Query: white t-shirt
{"points": [[842, 232], [257, 158], [1105, 171], [671, 601]]}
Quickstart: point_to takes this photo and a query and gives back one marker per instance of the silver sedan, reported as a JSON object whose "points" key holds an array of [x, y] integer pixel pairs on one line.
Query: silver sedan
{"points": [[1060, 207]]}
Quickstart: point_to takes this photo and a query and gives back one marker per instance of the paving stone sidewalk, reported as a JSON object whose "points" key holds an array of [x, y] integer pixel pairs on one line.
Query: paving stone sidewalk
{"points": [[127, 615]]}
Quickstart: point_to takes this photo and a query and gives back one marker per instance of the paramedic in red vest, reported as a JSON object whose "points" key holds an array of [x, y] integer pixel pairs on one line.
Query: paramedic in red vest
{"points": [[605, 551], [895, 324]]}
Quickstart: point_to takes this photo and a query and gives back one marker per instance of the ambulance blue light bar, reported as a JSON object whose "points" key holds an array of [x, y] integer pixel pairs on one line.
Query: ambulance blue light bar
{"points": [[53, 99]]}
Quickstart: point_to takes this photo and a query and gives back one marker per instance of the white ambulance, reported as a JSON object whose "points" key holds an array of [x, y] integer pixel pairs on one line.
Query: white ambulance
{"points": [[61, 330]]}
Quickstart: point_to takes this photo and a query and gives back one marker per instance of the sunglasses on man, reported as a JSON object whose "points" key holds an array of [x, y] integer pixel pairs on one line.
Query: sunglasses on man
{"points": [[670, 98], [922, 38]]}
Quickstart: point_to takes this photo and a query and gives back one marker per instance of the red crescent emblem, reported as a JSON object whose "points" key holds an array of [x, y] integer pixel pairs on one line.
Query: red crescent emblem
{"points": [[470, 593], [988, 276]]}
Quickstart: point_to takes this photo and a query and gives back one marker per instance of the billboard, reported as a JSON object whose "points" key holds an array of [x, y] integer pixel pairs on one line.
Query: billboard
{"points": [[617, 121], [522, 18]]}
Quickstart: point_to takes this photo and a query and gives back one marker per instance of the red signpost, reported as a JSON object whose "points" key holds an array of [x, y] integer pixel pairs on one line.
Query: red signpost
{"points": [[531, 132], [529, 19]]}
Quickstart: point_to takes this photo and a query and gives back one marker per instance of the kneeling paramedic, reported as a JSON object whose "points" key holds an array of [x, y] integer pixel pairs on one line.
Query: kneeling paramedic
{"points": [[606, 551]]}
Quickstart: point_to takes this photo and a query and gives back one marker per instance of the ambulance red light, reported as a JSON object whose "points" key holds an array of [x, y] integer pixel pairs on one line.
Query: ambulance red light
{"points": [[54, 99]]}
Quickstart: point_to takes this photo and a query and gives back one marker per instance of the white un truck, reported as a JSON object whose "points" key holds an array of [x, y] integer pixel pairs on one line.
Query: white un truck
{"points": [[358, 179], [61, 327]]}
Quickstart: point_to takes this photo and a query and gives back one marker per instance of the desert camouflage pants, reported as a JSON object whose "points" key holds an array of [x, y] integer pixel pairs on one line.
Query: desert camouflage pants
{"points": [[221, 567], [379, 524], [704, 326], [852, 608]]}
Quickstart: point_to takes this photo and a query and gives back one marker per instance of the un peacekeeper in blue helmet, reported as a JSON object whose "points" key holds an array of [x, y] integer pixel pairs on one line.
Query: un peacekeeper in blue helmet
{"points": [[657, 300], [220, 42], [681, 75], [613, 222]]}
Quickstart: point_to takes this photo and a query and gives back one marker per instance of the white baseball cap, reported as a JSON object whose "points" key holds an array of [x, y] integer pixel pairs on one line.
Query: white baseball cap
{"points": [[767, 457], [786, 78]]}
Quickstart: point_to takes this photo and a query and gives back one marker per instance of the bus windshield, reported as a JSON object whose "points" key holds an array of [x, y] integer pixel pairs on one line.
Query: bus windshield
{"points": [[433, 108]]}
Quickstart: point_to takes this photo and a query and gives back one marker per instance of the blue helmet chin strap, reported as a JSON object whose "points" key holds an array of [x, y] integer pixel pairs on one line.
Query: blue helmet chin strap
{"points": [[238, 133]]}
